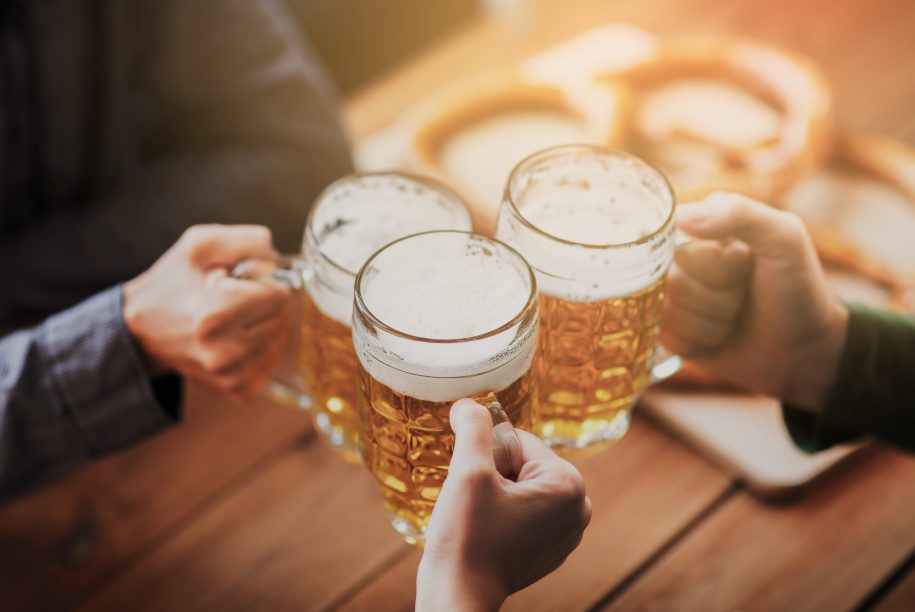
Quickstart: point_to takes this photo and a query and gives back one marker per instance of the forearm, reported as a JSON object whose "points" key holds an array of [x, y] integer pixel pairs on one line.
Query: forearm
{"points": [[73, 388], [440, 588], [874, 388]]}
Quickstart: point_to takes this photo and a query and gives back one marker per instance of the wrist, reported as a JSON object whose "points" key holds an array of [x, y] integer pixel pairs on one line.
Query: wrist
{"points": [[814, 376], [132, 314], [444, 586]]}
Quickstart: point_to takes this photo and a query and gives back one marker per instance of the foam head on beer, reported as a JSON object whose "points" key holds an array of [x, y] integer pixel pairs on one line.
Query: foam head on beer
{"points": [[358, 215], [446, 297], [607, 206], [597, 226]]}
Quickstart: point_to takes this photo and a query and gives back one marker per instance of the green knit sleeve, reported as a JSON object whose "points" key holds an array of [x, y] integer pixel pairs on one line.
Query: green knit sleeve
{"points": [[874, 391]]}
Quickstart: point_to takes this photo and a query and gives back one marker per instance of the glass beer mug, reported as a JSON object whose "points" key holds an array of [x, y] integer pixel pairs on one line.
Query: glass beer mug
{"points": [[597, 227], [438, 316], [350, 220]]}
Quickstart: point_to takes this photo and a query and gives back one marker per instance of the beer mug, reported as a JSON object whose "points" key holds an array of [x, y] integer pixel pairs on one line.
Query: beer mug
{"points": [[438, 316], [350, 220], [597, 227]]}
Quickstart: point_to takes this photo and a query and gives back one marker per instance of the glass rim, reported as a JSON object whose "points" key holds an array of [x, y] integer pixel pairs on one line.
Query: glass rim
{"points": [[530, 304], [352, 177], [558, 150]]}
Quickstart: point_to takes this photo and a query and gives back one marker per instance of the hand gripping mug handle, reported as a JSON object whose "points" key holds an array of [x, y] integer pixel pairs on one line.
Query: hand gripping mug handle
{"points": [[286, 387], [666, 363], [506, 446]]}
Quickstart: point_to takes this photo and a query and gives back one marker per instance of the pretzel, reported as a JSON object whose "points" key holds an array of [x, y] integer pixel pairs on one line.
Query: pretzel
{"points": [[433, 124], [699, 163], [883, 161]]}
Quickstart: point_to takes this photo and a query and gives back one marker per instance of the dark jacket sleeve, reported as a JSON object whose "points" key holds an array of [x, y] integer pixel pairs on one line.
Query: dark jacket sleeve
{"points": [[874, 392], [237, 124], [73, 388]]}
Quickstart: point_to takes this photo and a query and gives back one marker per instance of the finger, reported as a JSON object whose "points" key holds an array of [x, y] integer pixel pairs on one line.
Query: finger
{"points": [[533, 448], [274, 322], [723, 304], [227, 352], [238, 303], [472, 427], [714, 263], [721, 216], [244, 379], [506, 448], [692, 334], [225, 245]]}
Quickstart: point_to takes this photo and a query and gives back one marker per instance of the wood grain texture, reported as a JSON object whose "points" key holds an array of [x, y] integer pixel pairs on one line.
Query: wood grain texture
{"points": [[299, 536], [827, 552], [63, 541], [644, 491], [234, 512]]}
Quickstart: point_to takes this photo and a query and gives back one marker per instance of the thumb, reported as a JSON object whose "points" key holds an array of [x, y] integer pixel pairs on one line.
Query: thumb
{"points": [[226, 245], [721, 216], [472, 427]]}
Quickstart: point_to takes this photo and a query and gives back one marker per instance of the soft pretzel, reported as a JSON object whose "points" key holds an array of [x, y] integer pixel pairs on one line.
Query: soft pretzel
{"points": [[860, 210], [759, 159], [585, 113]]}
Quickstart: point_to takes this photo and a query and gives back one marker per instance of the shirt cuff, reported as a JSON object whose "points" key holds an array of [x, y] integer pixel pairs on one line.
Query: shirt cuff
{"points": [[853, 400], [100, 377]]}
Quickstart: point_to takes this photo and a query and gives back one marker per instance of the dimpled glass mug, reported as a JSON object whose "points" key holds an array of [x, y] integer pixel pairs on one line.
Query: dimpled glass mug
{"points": [[597, 226], [438, 316], [351, 219]]}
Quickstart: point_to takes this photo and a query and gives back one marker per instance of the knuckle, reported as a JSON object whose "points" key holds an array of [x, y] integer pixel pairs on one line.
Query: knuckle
{"points": [[262, 235], [197, 234], [218, 362], [474, 478], [791, 221], [208, 324], [571, 490]]}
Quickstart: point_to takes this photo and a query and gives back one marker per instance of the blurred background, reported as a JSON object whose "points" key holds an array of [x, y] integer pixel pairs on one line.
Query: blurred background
{"points": [[231, 512]]}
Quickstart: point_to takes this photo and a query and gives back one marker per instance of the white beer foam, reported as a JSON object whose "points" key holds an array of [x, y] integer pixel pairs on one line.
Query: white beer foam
{"points": [[601, 201], [358, 217], [446, 286]]}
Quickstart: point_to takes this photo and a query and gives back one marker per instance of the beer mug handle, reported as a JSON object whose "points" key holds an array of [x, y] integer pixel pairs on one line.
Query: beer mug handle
{"points": [[286, 386], [505, 443], [666, 363]]}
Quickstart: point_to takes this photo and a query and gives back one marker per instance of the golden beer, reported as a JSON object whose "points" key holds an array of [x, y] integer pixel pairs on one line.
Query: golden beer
{"points": [[350, 220], [327, 362], [438, 316], [594, 359], [597, 227], [409, 443]]}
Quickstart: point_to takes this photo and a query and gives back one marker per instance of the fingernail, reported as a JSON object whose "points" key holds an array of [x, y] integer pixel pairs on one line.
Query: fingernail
{"points": [[459, 408], [464, 403], [692, 214]]}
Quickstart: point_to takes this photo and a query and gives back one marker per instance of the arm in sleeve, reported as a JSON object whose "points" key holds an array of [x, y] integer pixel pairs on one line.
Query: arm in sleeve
{"points": [[874, 391], [74, 388], [236, 123]]}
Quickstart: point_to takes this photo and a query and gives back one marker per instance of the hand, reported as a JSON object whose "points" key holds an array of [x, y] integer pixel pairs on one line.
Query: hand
{"points": [[754, 308], [190, 316], [490, 536]]}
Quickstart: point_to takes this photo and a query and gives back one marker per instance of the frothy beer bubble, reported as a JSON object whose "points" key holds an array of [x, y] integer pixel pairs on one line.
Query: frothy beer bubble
{"points": [[590, 213], [446, 286], [358, 216]]}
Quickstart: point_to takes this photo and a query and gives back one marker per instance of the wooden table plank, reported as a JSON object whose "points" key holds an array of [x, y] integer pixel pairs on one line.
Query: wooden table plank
{"points": [[299, 536], [643, 491], [75, 534], [827, 552]]}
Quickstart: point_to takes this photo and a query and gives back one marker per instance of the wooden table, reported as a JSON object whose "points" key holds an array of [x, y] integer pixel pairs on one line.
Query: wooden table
{"points": [[243, 508]]}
